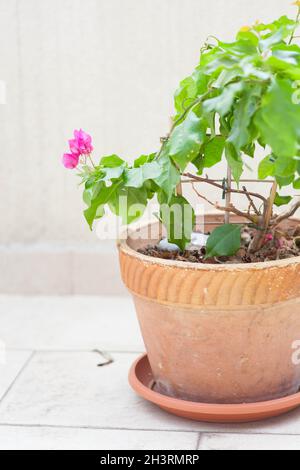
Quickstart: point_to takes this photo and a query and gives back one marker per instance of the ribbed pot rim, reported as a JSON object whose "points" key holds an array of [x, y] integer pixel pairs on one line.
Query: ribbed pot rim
{"points": [[123, 245]]}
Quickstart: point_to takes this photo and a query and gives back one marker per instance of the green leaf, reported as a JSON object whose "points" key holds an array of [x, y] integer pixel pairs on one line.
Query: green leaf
{"points": [[211, 124], [244, 110], [97, 204], [282, 200], [282, 168], [185, 95], [246, 45], [136, 177], [284, 21], [210, 154], [245, 69], [227, 75], [284, 180], [278, 119], [186, 140], [271, 40], [249, 149], [266, 168], [217, 60], [169, 175], [224, 241], [87, 197], [112, 161], [213, 151], [128, 203], [144, 159], [285, 167], [111, 173], [282, 29], [296, 184], [223, 103], [290, 54], [91, 191], [254, 70], [190, 88], [249, 37], [234, 161], [269, 28], [280, 66], [178, 218]]}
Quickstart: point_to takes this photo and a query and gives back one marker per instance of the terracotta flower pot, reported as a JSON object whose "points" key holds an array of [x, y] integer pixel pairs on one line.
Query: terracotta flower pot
{"points": [[216, 333]]}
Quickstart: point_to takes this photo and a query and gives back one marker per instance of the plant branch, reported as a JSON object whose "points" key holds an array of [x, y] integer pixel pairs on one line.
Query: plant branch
{"points": [[199, 179], [251, 201], [234, 210], [295, 29], [91, 160], [241, 181], [179, 189], [228, 194], [287, 214], [269, 207], [264, 221], [202, 197], [228, 209]]}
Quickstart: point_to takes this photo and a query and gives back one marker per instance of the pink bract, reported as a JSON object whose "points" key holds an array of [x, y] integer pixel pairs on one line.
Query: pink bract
{"points": [[70, 161], [81, 144], [73, 144]]}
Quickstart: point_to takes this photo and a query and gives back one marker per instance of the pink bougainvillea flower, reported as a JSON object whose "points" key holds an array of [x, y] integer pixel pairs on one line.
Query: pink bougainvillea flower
{"points": [[269, 237], [81, 144], [73, 144], [70, 160]]}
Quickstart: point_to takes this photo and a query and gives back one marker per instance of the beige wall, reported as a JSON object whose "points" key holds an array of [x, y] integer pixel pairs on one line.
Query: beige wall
{"points": [[109, 66]]}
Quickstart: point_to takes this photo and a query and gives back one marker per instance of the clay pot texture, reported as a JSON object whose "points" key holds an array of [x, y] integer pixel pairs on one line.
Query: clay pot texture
{"points": [[216, 333]]}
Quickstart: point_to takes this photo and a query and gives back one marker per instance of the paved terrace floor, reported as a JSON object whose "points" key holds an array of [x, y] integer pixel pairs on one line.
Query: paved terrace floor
{"points": [[53, 395]]}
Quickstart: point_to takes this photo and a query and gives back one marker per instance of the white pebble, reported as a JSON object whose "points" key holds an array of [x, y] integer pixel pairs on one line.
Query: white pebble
{"points": [[199, 239], [166, 246]]}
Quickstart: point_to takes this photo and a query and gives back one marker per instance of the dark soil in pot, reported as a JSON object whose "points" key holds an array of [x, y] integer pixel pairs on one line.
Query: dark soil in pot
{"points": [[285, 244]]}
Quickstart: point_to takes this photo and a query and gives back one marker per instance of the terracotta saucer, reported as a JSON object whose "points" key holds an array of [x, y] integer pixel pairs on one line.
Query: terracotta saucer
{"points": [[141, 380]]}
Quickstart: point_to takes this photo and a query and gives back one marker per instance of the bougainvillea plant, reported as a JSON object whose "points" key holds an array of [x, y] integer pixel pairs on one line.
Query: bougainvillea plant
{"points": [[242, 95]]}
